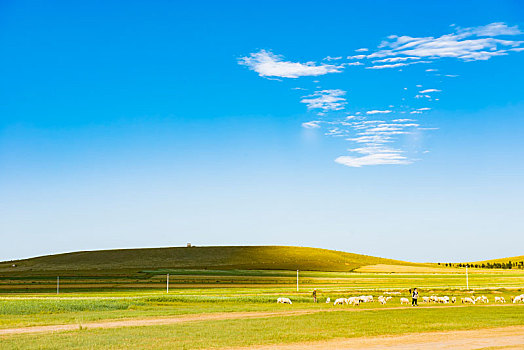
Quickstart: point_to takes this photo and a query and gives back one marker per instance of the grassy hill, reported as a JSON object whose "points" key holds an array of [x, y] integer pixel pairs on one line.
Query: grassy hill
{"points": [[213, 258], [513, 259]]}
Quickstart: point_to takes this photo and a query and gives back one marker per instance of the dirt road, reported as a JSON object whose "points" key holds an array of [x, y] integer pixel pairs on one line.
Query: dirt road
{"points": [[492, 338]]}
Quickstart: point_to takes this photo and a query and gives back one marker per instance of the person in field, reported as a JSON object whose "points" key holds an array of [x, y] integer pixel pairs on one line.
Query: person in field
{"points": [[314, 295], [414, 296]]}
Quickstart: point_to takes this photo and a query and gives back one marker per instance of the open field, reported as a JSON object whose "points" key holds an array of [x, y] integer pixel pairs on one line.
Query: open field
{"points": [[220, 308]]}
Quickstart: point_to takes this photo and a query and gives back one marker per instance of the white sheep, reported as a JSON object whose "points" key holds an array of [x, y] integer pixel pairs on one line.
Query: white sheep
{"points": [[425, 299], [366, 298], [340, 301], [353, 301], [500, 300], [284, 301], [453, 300], [518, 299], [404, 301], [328, 300], [467, 300]]}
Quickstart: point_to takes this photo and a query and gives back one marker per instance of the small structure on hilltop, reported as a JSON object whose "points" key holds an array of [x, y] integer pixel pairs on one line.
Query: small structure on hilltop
{"points": [[189, 245]]}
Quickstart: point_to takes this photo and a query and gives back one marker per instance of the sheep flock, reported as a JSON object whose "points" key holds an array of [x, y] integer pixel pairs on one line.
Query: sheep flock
{"points": [[382, 299]]}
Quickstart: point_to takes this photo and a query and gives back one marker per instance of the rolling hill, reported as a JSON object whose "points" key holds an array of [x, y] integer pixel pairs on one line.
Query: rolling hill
{"points": [[118, 261], [512, 259]]}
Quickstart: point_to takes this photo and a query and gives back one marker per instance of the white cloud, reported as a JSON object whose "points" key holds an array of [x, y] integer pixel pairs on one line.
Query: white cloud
{"points": [[403, 120], [375, 111], [429, 90], [493, 29], [314, 124], [362, 49], [326, 100], [373, 157], [356, 57], [395, 59], [329, 58], [388, 66], [431, 70], [477, 43], [267, 64], [353, 64]]}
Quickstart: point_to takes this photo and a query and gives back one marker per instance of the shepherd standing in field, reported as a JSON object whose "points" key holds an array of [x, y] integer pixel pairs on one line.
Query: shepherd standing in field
{"points": [[314, 295], [414, 295]]}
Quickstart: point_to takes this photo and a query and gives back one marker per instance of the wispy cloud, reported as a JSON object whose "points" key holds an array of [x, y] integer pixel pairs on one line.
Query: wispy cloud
{"points": [[378, 142], [325, 100], [376, 111], [356, 57], [468, 44], [396, 59], [267, 64], [493, 29], [314, 124], [371, 156]]}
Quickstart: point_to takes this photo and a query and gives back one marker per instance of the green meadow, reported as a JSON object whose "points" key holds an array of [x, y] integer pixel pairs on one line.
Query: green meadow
{"points": [[110, 291]]}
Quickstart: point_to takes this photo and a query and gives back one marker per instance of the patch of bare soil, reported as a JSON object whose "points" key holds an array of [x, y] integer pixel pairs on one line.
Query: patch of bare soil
{"points": [[491, 338]]}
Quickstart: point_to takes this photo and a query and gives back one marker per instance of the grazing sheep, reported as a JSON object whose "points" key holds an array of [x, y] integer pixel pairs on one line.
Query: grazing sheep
{"points": [[518, 299], [453, 300], [353, 301], [425, 299], [404, 301], [328, 300], [389, 298], [467, 300], [443, 300], [284, 301], [366, 298], [484, 299], [382, 300], [340, 301], [500, 300]]}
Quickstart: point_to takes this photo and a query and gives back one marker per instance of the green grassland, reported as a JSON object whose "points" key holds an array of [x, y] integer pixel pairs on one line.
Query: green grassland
{"points": [[131, 284], [274, 330]]}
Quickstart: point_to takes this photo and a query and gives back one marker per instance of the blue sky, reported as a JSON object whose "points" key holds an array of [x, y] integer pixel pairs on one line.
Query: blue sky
{"points": [[385, 128]]}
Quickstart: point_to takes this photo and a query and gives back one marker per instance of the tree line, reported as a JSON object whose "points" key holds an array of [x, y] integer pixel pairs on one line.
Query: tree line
{"points": [[497, 265]]}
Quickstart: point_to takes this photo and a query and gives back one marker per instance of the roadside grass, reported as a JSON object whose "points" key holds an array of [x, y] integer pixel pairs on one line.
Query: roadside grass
{"points": [[25, 311], [275, 330]]}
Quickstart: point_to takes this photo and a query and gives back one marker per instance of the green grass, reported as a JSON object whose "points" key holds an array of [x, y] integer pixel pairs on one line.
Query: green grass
{"points": [[40, 309], [274, 330], [136, 262]]}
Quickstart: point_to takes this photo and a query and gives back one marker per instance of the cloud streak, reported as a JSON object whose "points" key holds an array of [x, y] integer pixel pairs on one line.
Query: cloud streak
{"points": [[267, 64], [325, 100]]}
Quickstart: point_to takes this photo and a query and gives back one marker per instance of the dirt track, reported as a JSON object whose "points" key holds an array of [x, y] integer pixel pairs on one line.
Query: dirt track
{"points": [[153, 321], [492, 338]]}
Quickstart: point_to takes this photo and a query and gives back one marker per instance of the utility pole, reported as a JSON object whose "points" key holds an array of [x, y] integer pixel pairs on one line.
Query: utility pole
{"points": [[167, 284], [57, 284], [297, 280], [467, 278]]}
